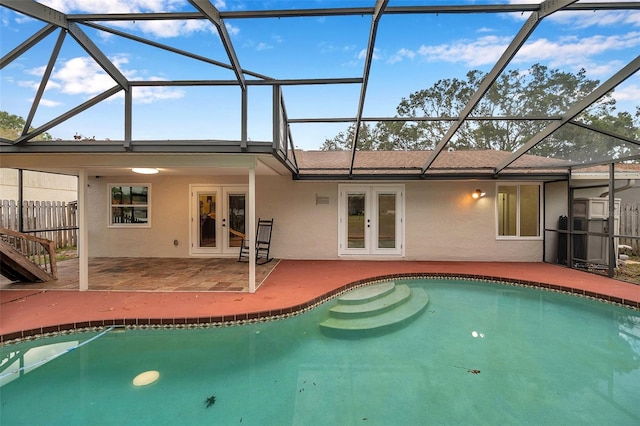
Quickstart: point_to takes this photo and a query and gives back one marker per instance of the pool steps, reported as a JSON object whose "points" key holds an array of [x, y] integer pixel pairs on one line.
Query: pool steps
{"points": [[376, 307]]}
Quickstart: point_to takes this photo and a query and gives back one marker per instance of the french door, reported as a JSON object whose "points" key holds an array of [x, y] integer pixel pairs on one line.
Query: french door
{"points": [[371, 220], [218, 219]]}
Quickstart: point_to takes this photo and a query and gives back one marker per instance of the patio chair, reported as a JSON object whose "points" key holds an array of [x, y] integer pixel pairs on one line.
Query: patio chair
{"points": [[263, 242]]}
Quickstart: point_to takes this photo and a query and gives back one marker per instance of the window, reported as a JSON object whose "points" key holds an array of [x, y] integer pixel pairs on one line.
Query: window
{"points": [[130, 205], [519, 210]]}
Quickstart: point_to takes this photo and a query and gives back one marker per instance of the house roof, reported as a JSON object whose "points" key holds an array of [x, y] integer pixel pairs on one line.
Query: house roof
{"points": [[453, 164]]}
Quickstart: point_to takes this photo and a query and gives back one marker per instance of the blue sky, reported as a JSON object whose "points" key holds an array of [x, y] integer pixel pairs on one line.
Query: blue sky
{"points": [[412, 53]]}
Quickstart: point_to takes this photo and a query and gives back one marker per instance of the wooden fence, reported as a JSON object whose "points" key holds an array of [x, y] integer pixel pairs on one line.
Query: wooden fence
{"points": [[630, 226], [53, 220]]}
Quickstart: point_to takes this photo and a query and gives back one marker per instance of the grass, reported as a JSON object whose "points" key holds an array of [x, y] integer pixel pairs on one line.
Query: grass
{"points": [[64, 253], [629, 270]]}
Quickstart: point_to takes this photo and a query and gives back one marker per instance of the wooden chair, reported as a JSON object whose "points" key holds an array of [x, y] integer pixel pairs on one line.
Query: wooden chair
{"points": [[263, 243]]}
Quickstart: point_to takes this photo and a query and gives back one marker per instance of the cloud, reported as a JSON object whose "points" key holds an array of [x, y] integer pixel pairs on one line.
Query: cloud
{"points": [[82, 76], [630, 92], [569, 51], [483, 51], [326, 47], [585, 19], [113, 6], [400, 55], [49, 103], [160, 29], [148, 95], [169, 28], [263, 46], [363, 54], [233, 31], [601, 18], [573, 51]]}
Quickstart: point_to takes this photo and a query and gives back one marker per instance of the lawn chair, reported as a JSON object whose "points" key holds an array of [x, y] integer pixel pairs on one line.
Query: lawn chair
{"points": [[263, 242]]}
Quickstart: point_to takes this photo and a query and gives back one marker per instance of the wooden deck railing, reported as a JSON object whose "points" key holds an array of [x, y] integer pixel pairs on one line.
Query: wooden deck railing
{"points": [[37, 251]]}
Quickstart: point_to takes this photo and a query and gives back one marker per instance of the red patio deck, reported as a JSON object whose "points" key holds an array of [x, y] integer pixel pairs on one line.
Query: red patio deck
{"points": [[292, 286]]}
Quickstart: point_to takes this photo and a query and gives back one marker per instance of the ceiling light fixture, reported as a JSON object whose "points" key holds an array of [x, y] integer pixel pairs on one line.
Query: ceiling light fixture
{"points": [[145, 170]]}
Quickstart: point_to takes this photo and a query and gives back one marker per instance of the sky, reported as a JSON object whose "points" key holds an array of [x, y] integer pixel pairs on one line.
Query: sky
{"points": [[412, 52]]}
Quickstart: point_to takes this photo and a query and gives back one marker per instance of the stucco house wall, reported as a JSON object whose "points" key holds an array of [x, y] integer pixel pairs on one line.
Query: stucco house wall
{"points": [[442, 220]]}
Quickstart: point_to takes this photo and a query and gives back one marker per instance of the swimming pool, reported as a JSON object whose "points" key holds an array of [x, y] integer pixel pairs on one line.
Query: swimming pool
{"points": [[480, 353]]}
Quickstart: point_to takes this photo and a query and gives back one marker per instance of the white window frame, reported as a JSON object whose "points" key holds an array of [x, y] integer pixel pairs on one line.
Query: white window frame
{"points": [[540, 212], [110, 222]]}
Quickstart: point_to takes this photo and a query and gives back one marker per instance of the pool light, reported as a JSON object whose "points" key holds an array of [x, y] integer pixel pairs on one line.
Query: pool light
{"points": [[146, 378]]}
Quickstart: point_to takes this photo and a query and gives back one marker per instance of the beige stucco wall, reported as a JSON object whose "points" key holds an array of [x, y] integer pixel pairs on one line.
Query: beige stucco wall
{"points": [[442, 221], [38, 186]]}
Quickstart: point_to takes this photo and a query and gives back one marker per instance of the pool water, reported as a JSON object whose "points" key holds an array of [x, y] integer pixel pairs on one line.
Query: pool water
{"points": [[480, 353]]}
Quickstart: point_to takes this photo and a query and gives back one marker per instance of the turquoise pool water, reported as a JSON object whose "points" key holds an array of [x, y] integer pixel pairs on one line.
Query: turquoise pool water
{"points": [[543, 358]]}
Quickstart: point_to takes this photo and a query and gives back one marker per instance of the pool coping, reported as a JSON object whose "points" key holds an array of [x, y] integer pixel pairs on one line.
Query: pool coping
{"points": [[281, 313]]}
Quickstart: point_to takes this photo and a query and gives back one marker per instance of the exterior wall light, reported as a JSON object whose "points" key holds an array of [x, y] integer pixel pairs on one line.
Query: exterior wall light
{"points": [[478, 193], [144, 170]]}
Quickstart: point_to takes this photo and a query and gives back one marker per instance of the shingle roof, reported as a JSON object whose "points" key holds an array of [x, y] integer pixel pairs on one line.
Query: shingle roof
{"points": [[411, 162]]}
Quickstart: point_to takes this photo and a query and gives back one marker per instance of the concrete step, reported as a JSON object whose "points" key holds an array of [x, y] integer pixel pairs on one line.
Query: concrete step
{"points": [[367, 294], [411, 308], [399, 295]]}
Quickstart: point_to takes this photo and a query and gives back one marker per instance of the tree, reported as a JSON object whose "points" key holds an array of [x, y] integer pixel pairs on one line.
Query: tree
{"points": [[11, 127], [536, 92]]}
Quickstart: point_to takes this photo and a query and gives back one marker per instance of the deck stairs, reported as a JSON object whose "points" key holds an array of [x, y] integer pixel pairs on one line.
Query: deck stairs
{"points": [[376, 307], [26, 258]]}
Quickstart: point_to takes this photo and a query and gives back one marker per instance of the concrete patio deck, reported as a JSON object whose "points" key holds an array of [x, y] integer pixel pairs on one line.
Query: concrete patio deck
{"points": [[292, 285]]}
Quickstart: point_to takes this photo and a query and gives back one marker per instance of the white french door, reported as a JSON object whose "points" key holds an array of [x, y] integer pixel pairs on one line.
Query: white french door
{"points": [[218, 219], [371, 220]]}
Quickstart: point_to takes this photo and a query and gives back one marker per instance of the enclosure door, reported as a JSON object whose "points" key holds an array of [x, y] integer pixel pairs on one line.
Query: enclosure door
{"points": [[217, 219], [371, 220]]}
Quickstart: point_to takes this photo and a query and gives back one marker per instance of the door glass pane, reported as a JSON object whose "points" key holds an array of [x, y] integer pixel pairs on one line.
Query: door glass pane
{"points": [[529, 210], [207, 219], [386, 220], [236, 216], [355, 220], [507, 210]]}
